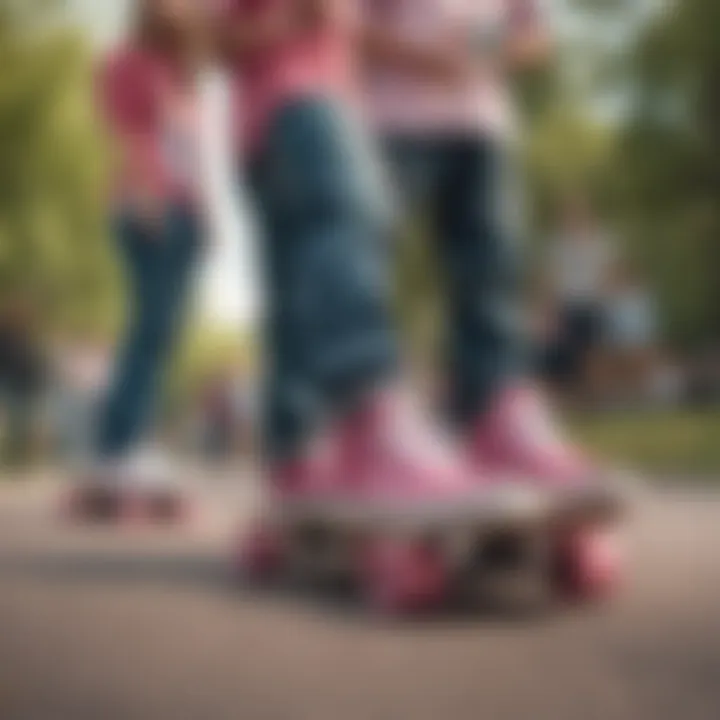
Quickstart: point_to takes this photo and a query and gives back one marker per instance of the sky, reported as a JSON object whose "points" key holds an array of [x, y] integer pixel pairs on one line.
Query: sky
{"points": [[103, 18]]}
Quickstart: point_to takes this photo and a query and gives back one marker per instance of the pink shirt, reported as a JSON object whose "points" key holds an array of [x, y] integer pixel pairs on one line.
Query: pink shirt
{"points": [[152, 111], [319, 62], [400, 104]]}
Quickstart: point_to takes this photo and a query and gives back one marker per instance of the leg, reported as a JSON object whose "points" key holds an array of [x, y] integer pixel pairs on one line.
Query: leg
{"points": [[19, 426], [290, 401], [509, 427], [333, 348], [479, 253], [159, 269], [329, 333]]}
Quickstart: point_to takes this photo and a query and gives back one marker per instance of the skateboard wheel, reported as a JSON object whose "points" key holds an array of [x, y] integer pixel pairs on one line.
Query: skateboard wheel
{"points": [[397, 577], [168, 508], [103, 505], [72, 504], [93, 504], [588, 565], [260, 556], [131, 509]]}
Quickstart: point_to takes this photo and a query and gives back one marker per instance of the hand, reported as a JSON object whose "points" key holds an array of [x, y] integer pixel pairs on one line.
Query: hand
{"points": [[450, 64], [149, 208]]}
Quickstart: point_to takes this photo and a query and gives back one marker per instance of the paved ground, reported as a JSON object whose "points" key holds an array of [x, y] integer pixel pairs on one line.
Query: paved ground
{"points": [[105, 625]]}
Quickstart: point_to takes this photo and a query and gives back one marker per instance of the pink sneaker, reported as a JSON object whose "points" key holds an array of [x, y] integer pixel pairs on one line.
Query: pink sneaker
{"points": [[520, 438], [391, 463], [303, 479], [383, 466]]}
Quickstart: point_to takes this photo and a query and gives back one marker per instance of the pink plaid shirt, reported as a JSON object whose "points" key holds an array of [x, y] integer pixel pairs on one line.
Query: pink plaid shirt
{"points": [[152, 111], [399, 104], [316, 63]]}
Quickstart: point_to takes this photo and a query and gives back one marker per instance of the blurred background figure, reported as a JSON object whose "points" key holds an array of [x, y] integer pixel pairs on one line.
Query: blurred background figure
{"points": [[80, 373], [226, 415], [148, 95], [22, 375], [630, 344], [579, 268], [219, 421]]}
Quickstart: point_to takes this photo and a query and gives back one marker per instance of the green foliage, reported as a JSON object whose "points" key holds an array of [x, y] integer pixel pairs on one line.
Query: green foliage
{"points": [[679, 443], [52, 177], [567, 151], [208, 353], [665, 164]]}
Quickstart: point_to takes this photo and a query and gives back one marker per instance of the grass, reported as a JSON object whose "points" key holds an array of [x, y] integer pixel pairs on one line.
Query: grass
{"points": [[681, 444], [671, 443]]}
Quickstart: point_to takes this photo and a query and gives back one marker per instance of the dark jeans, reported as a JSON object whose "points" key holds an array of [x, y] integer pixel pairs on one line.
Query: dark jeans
{"points": [[159, 267], [18, 404], [581, 331], [329, 335], [22, 384], [460, 185]]}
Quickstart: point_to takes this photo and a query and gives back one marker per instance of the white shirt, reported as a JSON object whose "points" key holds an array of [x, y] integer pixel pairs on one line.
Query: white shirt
{"points": [[402, 104], [631, 318], [579, 267]]}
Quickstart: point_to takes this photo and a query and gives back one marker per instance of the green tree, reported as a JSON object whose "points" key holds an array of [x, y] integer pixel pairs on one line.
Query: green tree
{"points": [[51, 170], [666, 165]]}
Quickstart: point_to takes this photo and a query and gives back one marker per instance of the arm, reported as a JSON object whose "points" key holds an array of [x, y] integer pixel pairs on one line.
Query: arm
{"points": [[524, 43]]}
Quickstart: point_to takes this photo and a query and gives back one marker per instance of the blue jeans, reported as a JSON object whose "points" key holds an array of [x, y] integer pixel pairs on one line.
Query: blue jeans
{"points": [[159, 266], [460, 185], [329, 335]]}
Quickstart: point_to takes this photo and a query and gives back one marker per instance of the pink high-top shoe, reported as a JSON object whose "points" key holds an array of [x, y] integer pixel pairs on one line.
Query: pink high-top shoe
{"points": [[391, 459], [519, 438], [387, 468]]}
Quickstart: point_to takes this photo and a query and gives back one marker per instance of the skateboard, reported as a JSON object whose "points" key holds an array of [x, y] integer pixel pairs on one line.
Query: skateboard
{"points": [[106, 504], [519, 548]]}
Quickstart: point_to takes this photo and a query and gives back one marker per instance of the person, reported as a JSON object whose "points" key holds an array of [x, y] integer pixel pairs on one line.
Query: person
{"points": [[332, 365], [632, 355], [79, 377], [147, 97], [22, 378], [437, 77], [219, 418], [580, 261]]}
